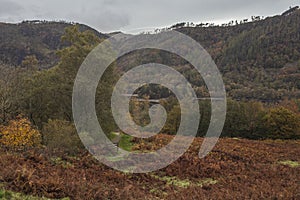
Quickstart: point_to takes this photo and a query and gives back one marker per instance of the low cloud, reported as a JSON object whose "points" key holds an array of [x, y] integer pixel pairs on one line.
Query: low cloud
{"points": [[9, 8], [125, 15], [103, 20]]}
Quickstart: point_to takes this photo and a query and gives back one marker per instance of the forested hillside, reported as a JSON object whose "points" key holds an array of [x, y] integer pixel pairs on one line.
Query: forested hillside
{"points": [[39, 38], [259, 59]]}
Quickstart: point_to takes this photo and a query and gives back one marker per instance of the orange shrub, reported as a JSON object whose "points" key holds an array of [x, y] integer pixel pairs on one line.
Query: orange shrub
{"points": [[19, 134]]}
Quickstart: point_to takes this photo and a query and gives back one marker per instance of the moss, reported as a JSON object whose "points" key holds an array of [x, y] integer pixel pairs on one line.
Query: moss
{"points": [[208, 181], [185, 183], [9, 195], [290, 163]]}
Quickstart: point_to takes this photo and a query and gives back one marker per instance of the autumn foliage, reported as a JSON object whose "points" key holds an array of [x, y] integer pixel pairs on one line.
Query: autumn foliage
{"points": [[237, 168], [19, 134], [282, 123]]}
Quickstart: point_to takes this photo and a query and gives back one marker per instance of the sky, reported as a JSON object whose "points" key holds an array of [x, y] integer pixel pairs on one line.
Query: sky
{"points": [[138, 15]]}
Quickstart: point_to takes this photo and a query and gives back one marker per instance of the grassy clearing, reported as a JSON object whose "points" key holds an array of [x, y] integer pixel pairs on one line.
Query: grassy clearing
{"points": [[290, 163]]}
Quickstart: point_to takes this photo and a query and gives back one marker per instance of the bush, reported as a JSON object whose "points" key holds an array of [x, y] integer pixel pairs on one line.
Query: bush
{"points": [[19, 134], [281, 123], [61, 137]]}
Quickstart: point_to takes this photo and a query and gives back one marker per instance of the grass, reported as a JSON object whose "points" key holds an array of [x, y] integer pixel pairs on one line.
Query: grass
{"points": [[125, 144], [172, 180], [125, 141], [290, 163], [9, 195]]}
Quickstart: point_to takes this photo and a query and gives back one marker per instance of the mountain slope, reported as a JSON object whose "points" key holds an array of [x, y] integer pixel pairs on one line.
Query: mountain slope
{"points": [[259, 60], [38, 38]]}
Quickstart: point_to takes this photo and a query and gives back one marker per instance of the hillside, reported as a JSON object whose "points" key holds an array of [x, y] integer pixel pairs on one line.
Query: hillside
{"points": [[235, 169], [259, 60], [38, 38]]}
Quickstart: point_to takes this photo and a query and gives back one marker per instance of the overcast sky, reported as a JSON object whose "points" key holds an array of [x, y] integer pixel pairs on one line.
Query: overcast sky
{"points": [[129, 15]]}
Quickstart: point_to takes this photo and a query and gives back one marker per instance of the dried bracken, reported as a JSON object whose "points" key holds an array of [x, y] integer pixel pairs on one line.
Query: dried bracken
{"points": [[235, 169]]}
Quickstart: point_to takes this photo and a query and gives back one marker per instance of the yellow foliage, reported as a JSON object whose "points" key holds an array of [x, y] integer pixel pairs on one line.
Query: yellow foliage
{"points": [[19, 134]]}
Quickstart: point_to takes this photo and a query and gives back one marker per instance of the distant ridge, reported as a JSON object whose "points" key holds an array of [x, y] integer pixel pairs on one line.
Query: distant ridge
{"points": [[259, 59], [39, 38], [291, 10]]}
